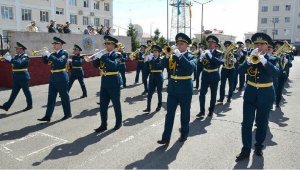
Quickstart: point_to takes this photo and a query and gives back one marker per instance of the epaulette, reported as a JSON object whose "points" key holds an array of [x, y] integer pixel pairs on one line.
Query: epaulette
{"points": [[219, 51]]}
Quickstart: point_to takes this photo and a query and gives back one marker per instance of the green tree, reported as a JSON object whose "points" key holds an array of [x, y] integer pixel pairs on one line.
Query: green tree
{"points": [[131, 32], [161, 41], [156, 36]]}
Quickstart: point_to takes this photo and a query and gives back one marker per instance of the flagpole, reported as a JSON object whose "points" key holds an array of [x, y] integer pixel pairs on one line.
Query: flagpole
{"points": [[168, 21], [190, 19]]}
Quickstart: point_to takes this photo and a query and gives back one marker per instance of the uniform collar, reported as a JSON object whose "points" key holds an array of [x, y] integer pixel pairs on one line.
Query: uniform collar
{"points": [[58, 51]]}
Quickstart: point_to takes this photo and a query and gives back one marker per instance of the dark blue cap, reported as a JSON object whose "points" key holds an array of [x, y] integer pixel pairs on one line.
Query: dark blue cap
{"points": [[76, 47], [248, 41], [227, 43], [156, 48], [212, 38], [183, 38], [261, 37], [240, 43], [19, 45], [57, 40]]}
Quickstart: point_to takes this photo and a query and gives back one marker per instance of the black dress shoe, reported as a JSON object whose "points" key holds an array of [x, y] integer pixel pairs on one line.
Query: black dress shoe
{"points": [[3, 108], [146, 110], [219, 101], [27, 108], [242, 156], [210, 114], [277, 106], [157, 109], [100, 129], [228, 100], [98, 103], [46, 119], [163, 142], [83, 96], [66, 117], [124, 86], [258, 152], [182, 139], [201, 114], [144, 93], [117, 127]]}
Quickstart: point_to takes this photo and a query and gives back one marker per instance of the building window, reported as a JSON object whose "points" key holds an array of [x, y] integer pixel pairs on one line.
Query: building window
{"points": [[264, 20], [276, 8], [264, 31], [73, 2], [288, 7], [106, 23], [7, 12], [86, 3], [73, 19], [85, 21], [287, 19], [97, 5], [59, 11], [286, 32], [106, 6], [44, 16], [275, 32], [264, 9], [26, 14], [275, 20], [97, 22]]}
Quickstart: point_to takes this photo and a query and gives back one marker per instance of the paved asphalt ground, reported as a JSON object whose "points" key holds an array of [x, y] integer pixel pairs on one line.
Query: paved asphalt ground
{"points": [[212, 143]]}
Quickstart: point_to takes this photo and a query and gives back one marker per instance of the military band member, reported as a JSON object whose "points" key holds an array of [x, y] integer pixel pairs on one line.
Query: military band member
{"points": [[59, 79], [228, 72], [259, 94], [284, 64], [180, 89], [211, 60], [76, 70], [140, 64], [110, 82], [20, 76], [156, 67], [145, 70], [240, 55], [199, 65], [122, 68]]}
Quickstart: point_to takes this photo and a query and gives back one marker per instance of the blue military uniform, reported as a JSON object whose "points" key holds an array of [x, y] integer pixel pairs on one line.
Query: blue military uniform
{"points": [[181, 67], [21, 79], [199, 65], [258, 98], [140, 64], [228, 72], [122, 67], [58, 83], [156, 67], [77, 72], [110, 85], [282, 78], [210, 77], [241, 56]]}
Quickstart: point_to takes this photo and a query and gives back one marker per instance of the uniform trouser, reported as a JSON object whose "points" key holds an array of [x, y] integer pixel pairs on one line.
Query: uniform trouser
{"points": [[275, 85], [213, 84], [195, 73], [81, 82], [17, 86], [184, 101], [145, 75], [262, 111], [280, 87], [62, 88], [199, 70], [239, 77], [152, 85], [107, 94], [122, 72], [139, 68], [227, 74]]}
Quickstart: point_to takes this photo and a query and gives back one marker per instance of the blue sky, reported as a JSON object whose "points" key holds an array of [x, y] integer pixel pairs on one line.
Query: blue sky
{"points": [[235, 17]]}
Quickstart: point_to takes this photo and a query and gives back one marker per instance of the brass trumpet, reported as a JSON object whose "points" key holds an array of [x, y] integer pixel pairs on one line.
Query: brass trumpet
{"points": [[254, 58], [90, 58], [38, 52], [134, 55], [120, 47]]}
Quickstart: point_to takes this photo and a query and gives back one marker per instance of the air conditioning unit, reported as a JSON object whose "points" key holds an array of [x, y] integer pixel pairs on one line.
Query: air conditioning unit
{"points": [[92, 14], [80, 12]]}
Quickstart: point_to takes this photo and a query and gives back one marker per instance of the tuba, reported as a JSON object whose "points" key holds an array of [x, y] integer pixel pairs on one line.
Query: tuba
{"points": [[229, 63]]}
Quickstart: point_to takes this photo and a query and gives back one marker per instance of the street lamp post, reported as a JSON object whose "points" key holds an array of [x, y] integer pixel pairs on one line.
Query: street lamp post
{"points": [[202, 4], [273, 32]]}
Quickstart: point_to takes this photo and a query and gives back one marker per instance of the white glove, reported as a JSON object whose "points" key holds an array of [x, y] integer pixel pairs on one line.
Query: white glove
{"points": [[7, 56], [46, 53], [70, 60], [208, 53], [241, 53], [177, 53], [98, 55], [262, 59], [223, 60], [234, 60], [255, 51], [201, 58], [285, 60], [249, 61]]}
